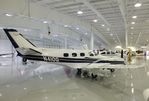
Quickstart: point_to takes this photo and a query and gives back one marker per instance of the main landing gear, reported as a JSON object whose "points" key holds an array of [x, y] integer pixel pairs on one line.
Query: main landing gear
{"points": [[111, 70], [86, 74]]}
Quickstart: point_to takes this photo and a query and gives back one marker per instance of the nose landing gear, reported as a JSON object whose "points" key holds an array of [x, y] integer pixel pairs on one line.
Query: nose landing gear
{"points": [[24, 61]]}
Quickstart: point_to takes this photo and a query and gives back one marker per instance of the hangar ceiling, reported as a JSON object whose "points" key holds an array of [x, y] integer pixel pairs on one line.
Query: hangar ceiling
{"points": [[114, 17]]}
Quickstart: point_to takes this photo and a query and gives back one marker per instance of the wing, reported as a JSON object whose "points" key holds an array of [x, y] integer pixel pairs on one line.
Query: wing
{"points": [[94, 65]]}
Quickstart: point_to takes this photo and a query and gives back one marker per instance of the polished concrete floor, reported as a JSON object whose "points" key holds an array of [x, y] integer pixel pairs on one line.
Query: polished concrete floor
{"points": [[39, 81]]}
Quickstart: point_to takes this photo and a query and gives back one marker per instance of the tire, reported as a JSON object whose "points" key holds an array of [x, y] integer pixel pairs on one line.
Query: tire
{"points": [[112, 70], [24, 59]]}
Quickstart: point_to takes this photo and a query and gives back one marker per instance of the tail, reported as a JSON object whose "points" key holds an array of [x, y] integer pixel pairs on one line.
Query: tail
{"points": [[21, 44]]}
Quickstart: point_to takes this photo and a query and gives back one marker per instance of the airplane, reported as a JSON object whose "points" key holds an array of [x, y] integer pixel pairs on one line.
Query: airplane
{"points": [[78, 59]]}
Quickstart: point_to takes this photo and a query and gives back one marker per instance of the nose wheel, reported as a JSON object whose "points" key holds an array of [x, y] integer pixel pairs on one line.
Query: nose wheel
{"points": [[24, 60]]}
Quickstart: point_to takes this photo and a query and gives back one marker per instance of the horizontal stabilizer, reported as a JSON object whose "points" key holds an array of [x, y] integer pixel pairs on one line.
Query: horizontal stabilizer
{"points": [[28, 51]]}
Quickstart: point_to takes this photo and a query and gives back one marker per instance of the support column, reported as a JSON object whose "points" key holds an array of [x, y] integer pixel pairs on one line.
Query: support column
{"points": [[65, 42], [92, 41]]}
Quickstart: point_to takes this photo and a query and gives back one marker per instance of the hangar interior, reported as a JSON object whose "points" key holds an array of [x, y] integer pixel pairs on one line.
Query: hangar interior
{"points": [[112, 25]]}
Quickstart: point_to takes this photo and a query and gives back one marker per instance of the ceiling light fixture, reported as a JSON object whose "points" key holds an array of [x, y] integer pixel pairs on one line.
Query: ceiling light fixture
{"points": [[103, 25], [134, 17], [79, 12], [77, 28], [65, 25], [132, 28], [8, 15], [133, 23], [138, 4], [108, 29], [111, 34], [45, 21], [95, 20]]}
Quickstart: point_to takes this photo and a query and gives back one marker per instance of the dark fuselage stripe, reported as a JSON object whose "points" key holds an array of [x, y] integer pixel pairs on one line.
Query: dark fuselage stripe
{"points": [[74, 60]]}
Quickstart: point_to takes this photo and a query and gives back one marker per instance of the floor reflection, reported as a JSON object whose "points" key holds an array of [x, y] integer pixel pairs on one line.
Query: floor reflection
{"points": [[38, 81]]}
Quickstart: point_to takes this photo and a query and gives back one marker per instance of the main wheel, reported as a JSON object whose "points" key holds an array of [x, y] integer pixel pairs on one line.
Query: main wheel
{"points": [[79, 72], [112, 70]]}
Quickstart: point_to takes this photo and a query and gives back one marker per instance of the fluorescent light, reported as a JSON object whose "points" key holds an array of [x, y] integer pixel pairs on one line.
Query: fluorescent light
{"points": [[147, 40], [77, 28], [8, 14], [79, 12], [65, 25], [111, 34], [131, 84], [133, 23], [138, 5], [0, 94], [95, 20], [132, 90], [132, 28], [102, 25], [134, 17], [25, 88], [45, 21], [108, 29]]}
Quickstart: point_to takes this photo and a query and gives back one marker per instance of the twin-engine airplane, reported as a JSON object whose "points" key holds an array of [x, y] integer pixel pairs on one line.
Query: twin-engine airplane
{"points": [[80, 59]]}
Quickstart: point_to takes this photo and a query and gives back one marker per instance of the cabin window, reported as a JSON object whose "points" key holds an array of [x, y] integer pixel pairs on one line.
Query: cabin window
{"points": [[108, 52], [74, 54], [103, 53], [65, 54], [82, 54], [91, 54], [112, 53]]}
